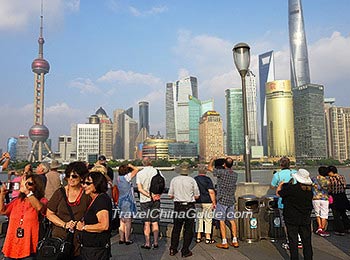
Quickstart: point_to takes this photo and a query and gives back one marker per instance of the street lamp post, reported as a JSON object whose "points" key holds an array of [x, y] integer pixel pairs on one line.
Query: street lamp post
{"points": [[241, 57]]}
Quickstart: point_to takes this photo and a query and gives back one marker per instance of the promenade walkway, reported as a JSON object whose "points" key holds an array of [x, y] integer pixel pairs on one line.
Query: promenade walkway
{"points": [[332, 248]]}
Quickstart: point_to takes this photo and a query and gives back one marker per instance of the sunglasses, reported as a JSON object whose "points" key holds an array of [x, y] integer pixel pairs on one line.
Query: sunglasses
{"points": [[29, 183], [74, 176], [87, 182]]}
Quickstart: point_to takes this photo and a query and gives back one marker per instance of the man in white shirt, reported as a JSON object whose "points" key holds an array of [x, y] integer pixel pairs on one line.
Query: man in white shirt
{"points": [[149, 203], [184, 191]]}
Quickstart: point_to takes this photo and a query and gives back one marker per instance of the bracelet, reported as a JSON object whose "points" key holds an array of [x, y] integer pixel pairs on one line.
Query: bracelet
{"points": [[30, 194], [65, 224]]}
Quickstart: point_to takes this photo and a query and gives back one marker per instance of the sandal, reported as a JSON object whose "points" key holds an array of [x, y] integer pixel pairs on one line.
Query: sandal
{"points": [[198, 240], [210, 241]]}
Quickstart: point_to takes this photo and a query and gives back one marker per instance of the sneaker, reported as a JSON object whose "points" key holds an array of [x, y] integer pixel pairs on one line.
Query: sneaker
{"points": [[300, 245], [223, 246], [318, 231], [285, 246], [324, 234]]}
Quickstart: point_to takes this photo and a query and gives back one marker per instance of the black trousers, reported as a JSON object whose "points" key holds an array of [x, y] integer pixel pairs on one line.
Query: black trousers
{"points": [[305, 234], [341, 220], [184, 216]]}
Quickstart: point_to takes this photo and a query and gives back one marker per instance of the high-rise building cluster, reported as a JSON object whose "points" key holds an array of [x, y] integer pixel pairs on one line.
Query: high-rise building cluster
{"points": [[286, 117]]}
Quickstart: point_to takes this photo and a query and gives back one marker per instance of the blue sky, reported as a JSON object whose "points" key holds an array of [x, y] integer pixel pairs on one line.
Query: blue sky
{"points": [[113, 53]]}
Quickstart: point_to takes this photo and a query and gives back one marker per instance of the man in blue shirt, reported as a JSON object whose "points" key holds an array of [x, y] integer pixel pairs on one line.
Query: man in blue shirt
{"points": [[283, 175]]}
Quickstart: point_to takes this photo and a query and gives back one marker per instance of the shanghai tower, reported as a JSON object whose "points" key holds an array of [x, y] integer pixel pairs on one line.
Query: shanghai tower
{"points": [[308, 98], [299, 61]]}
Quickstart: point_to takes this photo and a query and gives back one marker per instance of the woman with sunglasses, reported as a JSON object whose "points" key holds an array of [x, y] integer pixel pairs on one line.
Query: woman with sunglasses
{"points": [[57, 210], [95, 225], [23, 229]]}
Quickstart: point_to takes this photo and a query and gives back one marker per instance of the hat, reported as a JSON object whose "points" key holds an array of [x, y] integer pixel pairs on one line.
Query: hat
{"points": [[183, 168], [302, 176], [55, 164], [102, 158]]}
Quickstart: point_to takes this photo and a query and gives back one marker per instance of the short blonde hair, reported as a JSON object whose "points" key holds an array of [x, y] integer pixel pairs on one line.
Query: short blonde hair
{"points": [[99, 168]]}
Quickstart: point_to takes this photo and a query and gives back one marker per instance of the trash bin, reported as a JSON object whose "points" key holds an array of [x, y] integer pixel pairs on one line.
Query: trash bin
{"points": [[270, 219], [248, 222]]}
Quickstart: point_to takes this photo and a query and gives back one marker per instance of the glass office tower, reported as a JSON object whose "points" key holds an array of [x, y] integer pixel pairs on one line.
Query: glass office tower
{"points": [[234, 121], [308, 99], [266, 74], [196, 109], [299, 62], [177, 109], [144, 115]]}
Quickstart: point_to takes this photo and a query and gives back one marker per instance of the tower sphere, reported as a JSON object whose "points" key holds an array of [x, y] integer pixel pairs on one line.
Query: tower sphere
{"points": [[38, 133], [40, 66]]}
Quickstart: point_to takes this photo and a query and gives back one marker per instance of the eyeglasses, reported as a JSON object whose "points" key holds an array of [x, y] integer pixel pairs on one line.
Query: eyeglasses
{"points": [[30, 183], [74, 176], [87, 182]]}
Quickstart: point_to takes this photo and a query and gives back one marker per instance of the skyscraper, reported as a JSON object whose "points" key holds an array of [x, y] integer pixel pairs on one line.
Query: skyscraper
{"points": [[39, 133], [309, 120], [266, 74], [177, 110], [196, 109], [234, 121], [22, 148], [87, 141], [211, 142], [280, 119], [125, 130], [106, 133], [144, 115], [252, 109], [338, 132], [299, 62]]}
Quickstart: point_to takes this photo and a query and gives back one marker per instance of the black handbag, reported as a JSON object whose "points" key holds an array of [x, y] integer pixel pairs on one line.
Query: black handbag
{"points": [[55, 248]]}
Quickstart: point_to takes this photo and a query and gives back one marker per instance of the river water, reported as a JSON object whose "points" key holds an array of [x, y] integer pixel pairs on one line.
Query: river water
{"points": [[261, 176]]}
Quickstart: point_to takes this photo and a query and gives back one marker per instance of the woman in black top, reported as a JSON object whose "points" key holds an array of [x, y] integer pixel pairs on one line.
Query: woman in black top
{"points": [[95, 225], [297, 200]]}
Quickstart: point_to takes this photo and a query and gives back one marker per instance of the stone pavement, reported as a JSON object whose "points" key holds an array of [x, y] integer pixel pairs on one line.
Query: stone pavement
{"points": [[332, 248]]}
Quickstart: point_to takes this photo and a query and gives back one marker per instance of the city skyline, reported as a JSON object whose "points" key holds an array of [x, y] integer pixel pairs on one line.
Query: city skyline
{"points": [[95, 62]]}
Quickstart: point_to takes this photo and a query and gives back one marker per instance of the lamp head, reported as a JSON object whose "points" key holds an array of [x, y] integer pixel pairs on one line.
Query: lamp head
{"points": [[241, 57]]}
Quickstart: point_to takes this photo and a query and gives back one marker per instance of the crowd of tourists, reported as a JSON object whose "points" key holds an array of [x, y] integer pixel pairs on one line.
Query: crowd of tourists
{"points": [[78, 208]]}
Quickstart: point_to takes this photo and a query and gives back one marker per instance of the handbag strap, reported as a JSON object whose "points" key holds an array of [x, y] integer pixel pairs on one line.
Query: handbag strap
{"points": [[66, 200]]}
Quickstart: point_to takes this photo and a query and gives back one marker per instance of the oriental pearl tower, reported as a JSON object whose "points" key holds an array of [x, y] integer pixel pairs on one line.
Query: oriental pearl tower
{"points": [[39, 133]]}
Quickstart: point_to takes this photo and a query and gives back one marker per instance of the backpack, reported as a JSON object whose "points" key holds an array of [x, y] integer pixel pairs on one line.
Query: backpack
{"points": [[157, 184]]}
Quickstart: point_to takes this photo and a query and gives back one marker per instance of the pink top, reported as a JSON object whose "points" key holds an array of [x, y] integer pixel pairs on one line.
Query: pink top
{"points": [[15, 193]]}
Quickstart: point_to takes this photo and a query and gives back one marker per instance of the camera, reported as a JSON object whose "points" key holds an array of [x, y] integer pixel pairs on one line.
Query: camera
{"points": [[11, 186]]}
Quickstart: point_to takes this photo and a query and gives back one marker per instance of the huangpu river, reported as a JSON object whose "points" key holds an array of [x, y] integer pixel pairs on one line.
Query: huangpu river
{"points": [[260, 176]]}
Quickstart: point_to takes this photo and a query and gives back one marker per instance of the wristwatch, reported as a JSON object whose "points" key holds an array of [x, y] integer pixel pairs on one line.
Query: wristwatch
{"points": [[30, 194]]}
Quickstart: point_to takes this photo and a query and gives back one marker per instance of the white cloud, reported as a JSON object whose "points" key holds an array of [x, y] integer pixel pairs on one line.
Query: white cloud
{"points": [[153, 11], [85, 86], [18, 14], [130, 78]]}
